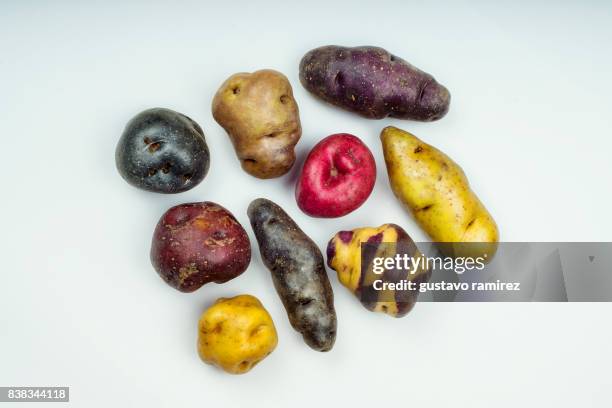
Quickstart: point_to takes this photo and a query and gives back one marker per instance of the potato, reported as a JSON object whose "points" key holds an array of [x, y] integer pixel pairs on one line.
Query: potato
{"points": [[435, 189], [163, 151], [261, 117], [197, 243], [337, 178], [345, 253], [298, 273], [373, 83], [235, 334]]}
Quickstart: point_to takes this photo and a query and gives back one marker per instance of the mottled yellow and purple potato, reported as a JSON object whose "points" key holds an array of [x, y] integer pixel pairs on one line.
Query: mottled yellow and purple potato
{"points": [[373, 83], [197, 243], [355, 269]]}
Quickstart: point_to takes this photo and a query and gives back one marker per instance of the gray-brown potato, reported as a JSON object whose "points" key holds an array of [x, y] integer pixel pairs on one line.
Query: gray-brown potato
{"points": [[260, 115], [298, 273]]}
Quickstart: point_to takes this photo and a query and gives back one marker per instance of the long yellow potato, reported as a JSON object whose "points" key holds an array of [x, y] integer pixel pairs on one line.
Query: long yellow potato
{"points": [[436, 191]]}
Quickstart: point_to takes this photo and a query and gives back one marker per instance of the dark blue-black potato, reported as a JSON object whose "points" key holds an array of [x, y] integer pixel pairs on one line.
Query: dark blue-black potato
{"points": [[163, 151]]}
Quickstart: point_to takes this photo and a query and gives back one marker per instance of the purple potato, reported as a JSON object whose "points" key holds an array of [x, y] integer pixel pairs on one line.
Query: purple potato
{"points": [[298, 273], [373, 83]]}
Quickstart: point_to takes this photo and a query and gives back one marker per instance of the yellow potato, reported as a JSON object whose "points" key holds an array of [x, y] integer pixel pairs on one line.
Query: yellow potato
{"points": [[235, 334], [435, 189], [261, 117]]}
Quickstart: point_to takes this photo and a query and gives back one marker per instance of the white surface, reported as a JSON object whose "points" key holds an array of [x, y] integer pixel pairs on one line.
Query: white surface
{"points": [[80, 304]]}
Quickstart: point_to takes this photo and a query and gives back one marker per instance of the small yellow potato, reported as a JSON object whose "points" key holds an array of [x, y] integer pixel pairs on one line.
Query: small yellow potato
{"points": [[235, 334], [260, 115], [436, 191]]}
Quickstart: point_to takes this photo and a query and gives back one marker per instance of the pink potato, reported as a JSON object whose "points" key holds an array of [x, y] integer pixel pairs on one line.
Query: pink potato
{"points": [[197, 243], [338, 177]]}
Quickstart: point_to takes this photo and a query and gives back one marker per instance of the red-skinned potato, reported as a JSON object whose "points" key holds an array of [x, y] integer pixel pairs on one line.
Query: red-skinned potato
{"points": [[338, 177], [197, 243]]}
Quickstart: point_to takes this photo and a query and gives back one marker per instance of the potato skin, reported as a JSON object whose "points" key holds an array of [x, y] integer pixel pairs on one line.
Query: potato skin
{"points": [[437, 192], [373, 83], [197, 243], [236, 333], [261, 117], [344, 255], [298, 273]]}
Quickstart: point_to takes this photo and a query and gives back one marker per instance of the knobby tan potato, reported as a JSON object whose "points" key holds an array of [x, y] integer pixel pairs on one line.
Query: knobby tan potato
{"points": [[259, 113], [437, 192]]}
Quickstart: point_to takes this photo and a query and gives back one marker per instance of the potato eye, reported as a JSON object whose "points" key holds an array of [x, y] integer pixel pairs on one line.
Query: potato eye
{"points": [[219, 235], [284, 99], [339, 78], [152, 146]]}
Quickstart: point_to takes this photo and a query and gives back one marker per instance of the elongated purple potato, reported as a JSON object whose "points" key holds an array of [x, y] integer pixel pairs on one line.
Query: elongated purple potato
{"points": [[373, 83], [298, 273]]}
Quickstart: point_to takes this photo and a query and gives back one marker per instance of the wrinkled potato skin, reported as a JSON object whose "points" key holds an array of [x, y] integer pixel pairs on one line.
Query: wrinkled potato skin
{"points": [[235, 334], [298, 273], [437, 192], [373, 83], [197, 243], [260, 115], [344, 255]]}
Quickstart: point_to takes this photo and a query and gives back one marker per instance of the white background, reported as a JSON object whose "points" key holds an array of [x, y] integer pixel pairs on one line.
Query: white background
{"points": [[80, 304]]}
